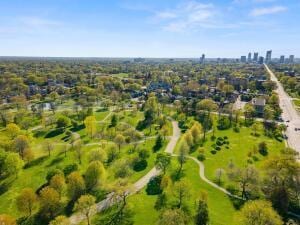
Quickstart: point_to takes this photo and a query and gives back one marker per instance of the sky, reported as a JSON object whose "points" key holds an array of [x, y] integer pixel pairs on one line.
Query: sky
{"points": [[149, 28]]}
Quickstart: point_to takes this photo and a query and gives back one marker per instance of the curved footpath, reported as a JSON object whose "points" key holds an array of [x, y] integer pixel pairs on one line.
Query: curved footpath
{"points": [[140, 184]]}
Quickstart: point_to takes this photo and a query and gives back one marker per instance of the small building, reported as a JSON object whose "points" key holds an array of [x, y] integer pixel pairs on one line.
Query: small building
{"points": [[259, 104]]}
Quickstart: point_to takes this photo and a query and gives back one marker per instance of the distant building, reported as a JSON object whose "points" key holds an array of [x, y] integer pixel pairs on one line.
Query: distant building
{"points": [[281, 60], [255, 57], [261, 60], [243, 59], [249, 57], [259, 104], [269, 56], [291, 59], [139, 60], [202, 59]]}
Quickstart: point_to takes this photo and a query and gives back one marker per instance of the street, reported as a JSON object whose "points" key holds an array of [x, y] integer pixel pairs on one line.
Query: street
{"points": [[289, 114]]}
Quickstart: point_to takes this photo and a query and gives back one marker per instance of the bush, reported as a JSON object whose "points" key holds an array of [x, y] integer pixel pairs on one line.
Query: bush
{"points": [[70, 168], [250, 161], [219, 143], [255, 158], [52, 173], [201, 157], [140, 165], [236, 129], [262, 148], [153, 186], [220, 139], [213, 152], [227, 147], [225, 137], [214, 145], [218, 148]]}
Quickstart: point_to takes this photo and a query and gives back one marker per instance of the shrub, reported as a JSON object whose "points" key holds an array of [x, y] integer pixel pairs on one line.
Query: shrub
{"points": [[201, 157], [255, 158], [214, 145], [263, 148], [213, 152], [250, 161], [153, 186], [140, 165], [52, 173], [218, 148], [220, 139], [219, 143], [236, 129], [225, 137]]}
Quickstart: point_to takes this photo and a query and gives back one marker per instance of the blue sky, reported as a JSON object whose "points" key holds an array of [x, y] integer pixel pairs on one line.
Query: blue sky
{"points": [[148, 28]]}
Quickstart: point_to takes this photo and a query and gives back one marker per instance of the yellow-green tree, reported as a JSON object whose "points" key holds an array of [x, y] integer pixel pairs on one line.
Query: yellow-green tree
{"points": [[90, 125], [27, 201], [85, 204], [12, 130]]}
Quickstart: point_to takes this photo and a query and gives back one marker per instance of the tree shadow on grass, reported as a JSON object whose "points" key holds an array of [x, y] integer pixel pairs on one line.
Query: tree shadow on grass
{"points": [[54, 133], [237, 203], [78, 128], [55, 161], [35, 162]]}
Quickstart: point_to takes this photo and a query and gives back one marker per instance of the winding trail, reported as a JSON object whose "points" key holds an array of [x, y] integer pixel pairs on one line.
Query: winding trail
{"points": [[139, 185]]}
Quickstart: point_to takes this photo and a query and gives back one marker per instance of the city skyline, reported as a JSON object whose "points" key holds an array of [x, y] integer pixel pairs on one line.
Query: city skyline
{"points": [[132, 28]]}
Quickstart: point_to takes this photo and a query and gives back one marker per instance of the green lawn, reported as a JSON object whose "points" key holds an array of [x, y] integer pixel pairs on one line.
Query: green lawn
{"points": [[145, 214], [239, 146]]}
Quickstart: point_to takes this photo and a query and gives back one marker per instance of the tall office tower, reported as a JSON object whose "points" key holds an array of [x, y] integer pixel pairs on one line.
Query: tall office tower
{"points": [[202, 59], [291, 59], [269, 56], [255, 57], [249, 57], [243, 59], [281, 60], [261, 60]]}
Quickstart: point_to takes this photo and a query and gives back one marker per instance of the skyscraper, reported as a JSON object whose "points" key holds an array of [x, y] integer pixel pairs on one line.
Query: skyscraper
{"points": [[243, 59], [269, 56], [261, 60], [249, 57], [202, 59], [281, 60], [291, 59], [255, 57]]}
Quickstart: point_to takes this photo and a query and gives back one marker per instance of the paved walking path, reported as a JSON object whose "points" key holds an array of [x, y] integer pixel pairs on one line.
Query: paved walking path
{"points": [[139, 185]]}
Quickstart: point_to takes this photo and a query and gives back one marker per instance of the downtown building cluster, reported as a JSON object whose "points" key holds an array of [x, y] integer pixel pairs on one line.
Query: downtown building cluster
{"points": [[260, 59]]}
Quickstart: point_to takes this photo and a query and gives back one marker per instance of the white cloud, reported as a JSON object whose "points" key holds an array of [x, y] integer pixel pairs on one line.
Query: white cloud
{"points": [[38, 22], [185, 16], [267, 10]]}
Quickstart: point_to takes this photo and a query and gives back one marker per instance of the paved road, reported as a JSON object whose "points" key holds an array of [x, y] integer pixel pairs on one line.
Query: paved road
{"points": [[289, 114], [140, 184]]}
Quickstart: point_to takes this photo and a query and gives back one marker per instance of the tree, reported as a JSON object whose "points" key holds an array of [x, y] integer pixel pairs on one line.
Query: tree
{"points": [[202, 217], [62, 122], [60, 220], [119, 140], [77, 146], [75, 185], [27, 201], [158, 143], [94, 173], [162, 161], [248, 112], [189, 139], [114, 120], [21, 143], [181, 192], [98, 155], [58, 183], [7, 220], [90, 124], [263, 148], [85, 204], [196, 131], [173, 217], [12, 130], [255, 127], [49, 147], [247, 179], [219, 173], [49, 202], [259, 212], [13, 164], [181, 158]]}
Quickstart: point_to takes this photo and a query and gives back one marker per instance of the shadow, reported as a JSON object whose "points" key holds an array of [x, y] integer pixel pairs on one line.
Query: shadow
{"points": [[237, 203], [55, 161], [39, 133], [78, 128], [54, 133], [35, 162]]}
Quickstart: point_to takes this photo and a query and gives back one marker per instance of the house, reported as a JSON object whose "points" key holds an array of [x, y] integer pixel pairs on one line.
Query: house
{"points": [[259, 104]]}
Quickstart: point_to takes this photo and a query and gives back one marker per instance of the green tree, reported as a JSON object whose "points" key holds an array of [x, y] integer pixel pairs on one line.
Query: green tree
{"points": [[119, 140], [50, 203], [94, 173], [63, 122], [75, 185], [173, 217], [13, 164], [85, 205], [162, 162], [90, 124], [12, 130], [181, 192], [60, 220], [58, 183], [21, 143], [202, 217], [259, 212], [27, 201], [182, 155]]}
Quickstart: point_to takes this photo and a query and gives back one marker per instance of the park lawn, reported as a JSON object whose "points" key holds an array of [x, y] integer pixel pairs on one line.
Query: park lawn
{"points": [[297, 104], [240, 144], [100, 115], [221, 210]]}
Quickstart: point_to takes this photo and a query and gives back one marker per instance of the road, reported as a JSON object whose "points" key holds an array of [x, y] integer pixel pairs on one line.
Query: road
{"points": [[289, 113], [139, 185]]}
